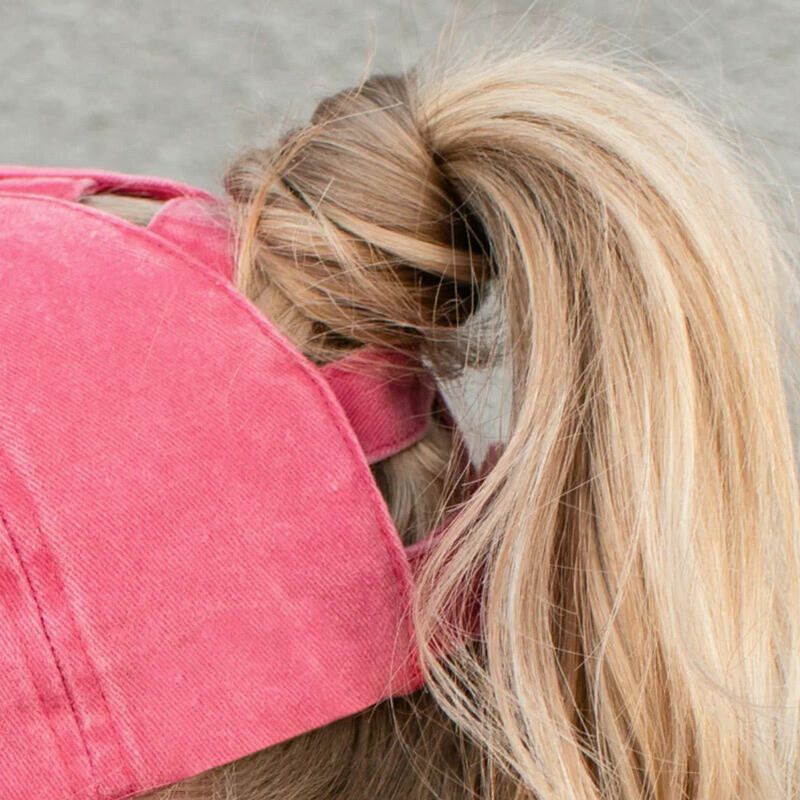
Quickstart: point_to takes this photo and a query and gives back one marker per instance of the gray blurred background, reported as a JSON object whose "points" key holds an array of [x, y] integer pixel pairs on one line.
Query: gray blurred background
{"points": [[178, 87]]}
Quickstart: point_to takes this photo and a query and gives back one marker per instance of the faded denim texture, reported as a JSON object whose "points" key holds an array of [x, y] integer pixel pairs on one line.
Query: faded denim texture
{"points": [[195, 560]]}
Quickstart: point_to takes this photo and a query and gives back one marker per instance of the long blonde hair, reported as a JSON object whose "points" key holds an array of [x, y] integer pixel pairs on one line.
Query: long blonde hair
{"points": [[636, 548]]}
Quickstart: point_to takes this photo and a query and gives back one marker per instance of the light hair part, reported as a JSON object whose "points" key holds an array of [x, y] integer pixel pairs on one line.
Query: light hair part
{"points": [[637, 544]]}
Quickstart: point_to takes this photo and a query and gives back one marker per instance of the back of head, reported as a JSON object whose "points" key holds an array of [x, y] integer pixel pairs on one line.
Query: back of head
{"points": [[635, 550]]}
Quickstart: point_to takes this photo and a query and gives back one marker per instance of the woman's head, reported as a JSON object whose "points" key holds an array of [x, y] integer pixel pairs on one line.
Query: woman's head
{"points": [[352, 223], [635, 552]]}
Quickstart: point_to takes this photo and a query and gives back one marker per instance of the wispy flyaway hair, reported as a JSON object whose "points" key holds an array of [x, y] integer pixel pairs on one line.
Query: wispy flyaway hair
{"points": [[634, 552]]}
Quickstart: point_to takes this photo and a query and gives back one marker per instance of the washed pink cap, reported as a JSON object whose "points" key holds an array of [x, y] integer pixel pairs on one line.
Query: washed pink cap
{"points": [[195, 560]]}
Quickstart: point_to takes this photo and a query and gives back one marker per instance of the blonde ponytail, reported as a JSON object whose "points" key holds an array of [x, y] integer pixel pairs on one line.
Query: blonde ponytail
{"points": [[637, 544], [640, 536]]}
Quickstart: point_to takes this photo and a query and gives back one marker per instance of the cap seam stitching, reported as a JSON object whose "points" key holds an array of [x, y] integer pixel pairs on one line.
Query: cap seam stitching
{"points": [[56, 661], [127, 769]]}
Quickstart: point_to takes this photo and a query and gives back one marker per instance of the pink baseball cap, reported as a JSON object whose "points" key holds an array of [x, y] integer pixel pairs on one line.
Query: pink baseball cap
{"points": [[195, 559]]}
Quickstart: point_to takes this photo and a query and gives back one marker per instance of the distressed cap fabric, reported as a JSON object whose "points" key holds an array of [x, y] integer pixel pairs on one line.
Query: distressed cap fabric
{"points": [[195, 559]]}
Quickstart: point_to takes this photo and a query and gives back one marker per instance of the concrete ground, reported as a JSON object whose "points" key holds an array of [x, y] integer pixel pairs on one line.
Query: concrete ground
{"points": [[176, 87]]}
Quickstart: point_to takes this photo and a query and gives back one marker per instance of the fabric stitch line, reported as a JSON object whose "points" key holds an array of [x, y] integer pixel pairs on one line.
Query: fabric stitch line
{"points": [[133, 780], [54, 656], [395, 552]]}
